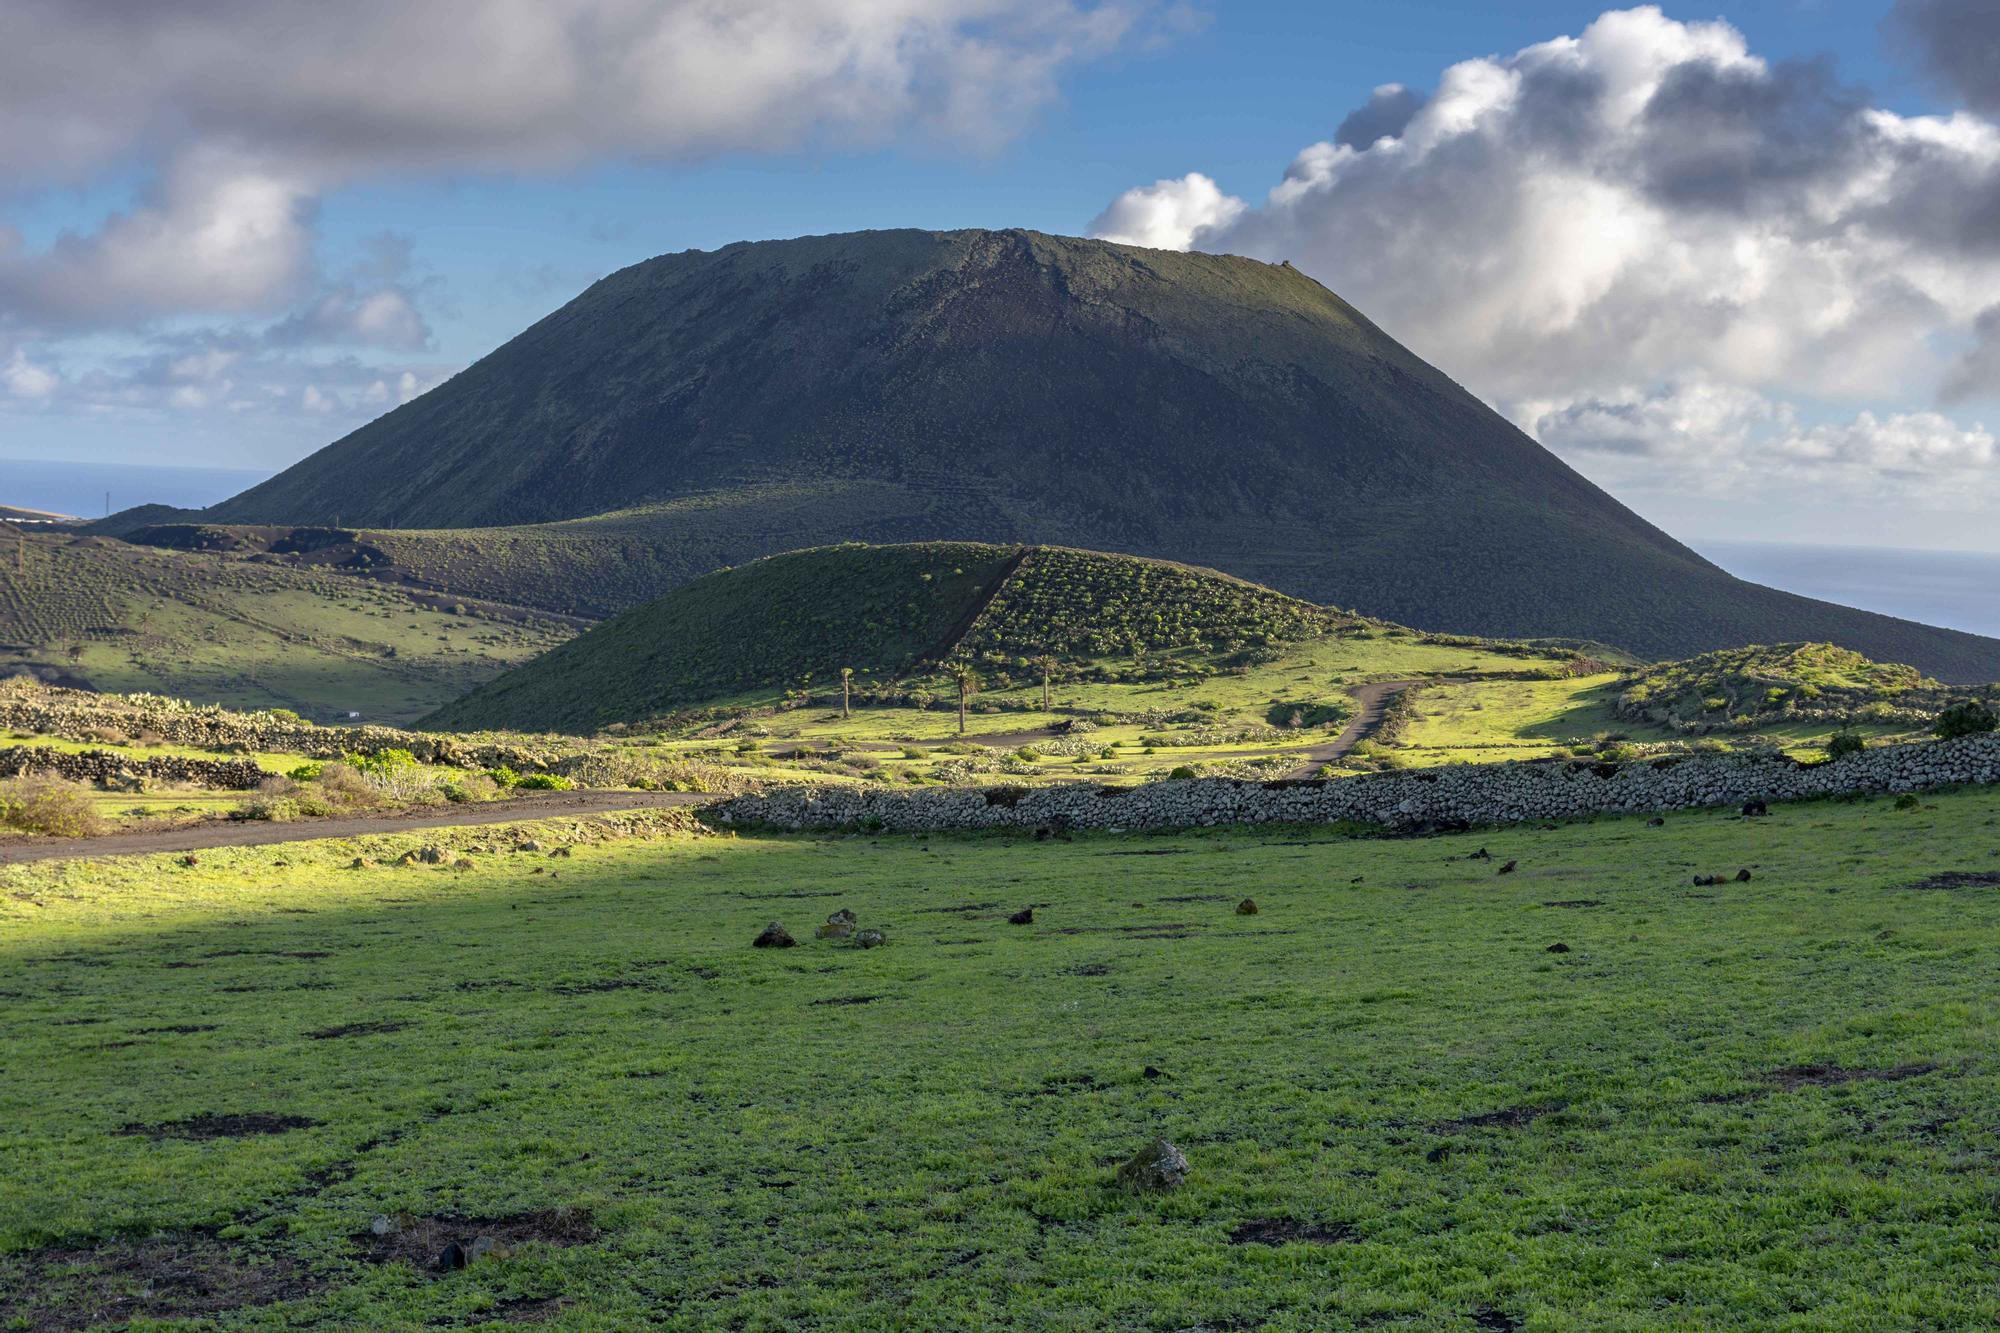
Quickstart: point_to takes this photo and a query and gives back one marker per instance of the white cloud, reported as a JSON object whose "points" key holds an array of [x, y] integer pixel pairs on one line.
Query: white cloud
{"points": [[383, 85], [1651, 204], [220, 232], [27, 380], [1168, 214]]}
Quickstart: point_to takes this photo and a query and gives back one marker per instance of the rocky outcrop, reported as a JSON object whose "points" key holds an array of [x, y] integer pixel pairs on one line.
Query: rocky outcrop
{"points": [[1458, 794]]}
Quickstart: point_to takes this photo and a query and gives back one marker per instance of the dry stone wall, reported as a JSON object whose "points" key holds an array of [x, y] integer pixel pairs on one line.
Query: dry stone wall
{"points": [[102, 766], [79, 715], [1459, 794]]}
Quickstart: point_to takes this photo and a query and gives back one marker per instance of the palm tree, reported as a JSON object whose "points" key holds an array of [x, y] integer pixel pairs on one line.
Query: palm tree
{"points": [[968, 685], [846, 684]]}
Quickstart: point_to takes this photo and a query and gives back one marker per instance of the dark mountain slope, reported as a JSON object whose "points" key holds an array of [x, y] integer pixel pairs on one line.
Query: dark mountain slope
{"points": [[1015, 387]]}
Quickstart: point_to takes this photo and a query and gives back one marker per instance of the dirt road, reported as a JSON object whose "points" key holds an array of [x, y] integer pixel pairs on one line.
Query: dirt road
{"points": [[1374, 700], [254, 833]]}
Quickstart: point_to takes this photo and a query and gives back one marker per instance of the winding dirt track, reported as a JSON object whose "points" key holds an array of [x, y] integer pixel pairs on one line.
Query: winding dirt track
{"points": [[1374, 700], [252, 833]]}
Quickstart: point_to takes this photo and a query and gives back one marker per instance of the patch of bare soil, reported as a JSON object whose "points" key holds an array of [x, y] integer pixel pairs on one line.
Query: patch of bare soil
{"points": [[1286, 1231], [209, 1125], [357, 1030], [1514, 1117], [427, 1243], [1961, 879], [1825, 1076], [163, 1277]]}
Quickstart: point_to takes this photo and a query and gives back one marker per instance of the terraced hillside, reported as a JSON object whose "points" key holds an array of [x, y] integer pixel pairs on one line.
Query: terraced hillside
{"points": [[221, 629], [1021, 388]]}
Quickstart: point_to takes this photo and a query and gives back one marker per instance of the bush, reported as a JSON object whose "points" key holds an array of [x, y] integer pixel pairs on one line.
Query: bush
{"points": [[503, 777], [1967, 717], [1844, 744], [1181, 773], [545, 782], [308, 772], [48, 805]]}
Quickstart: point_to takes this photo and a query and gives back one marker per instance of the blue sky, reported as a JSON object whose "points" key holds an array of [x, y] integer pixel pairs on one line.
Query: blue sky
{"points": [[375, 255]]}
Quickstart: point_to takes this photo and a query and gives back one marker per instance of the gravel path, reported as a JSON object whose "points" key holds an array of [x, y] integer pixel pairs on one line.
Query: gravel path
{"points": [[255, 833]]}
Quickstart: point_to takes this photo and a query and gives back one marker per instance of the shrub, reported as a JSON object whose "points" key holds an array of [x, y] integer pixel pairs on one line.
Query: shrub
{"points": [[1181, 773], [545, 782], [1844, 744], [307, 772], [48, 805], [1967, 717], [503, 777]]}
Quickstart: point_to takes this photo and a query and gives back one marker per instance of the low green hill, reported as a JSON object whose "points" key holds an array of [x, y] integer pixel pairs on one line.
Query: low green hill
{"points": [[796, 620], [1819, 682], [246, 632]]}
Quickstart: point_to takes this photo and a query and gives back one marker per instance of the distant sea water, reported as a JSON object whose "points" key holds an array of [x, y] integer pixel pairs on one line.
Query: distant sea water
{"points": [[84, 489], [1956, 589]]}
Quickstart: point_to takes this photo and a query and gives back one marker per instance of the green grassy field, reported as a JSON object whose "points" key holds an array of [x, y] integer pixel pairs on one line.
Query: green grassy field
{"points": [[1760, 1106]]}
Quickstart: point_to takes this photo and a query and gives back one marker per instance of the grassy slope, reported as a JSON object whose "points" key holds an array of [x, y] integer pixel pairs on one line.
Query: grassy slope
{"points": [[761, 1150], [755, 632], [220, 630], [769, 626], [1010, 386]]}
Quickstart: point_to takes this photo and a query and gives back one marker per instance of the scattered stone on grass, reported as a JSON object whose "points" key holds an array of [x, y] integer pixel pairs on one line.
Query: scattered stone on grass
{"points": [[1024, 917], [1557, 947], [209, 1125], [834, 930], [190, 859], [1507, 869], [362, 863], [869, 939], [1248, 907], [1575, 902], [1743, 876], [1152, 1071], [773, 936], [1155, 1168], [1481, 855], [1755, 809], [1656, 822], [1285, 1231], [527, 845]]}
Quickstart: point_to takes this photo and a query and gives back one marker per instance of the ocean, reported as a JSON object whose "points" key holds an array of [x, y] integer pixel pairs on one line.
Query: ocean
{"points": [[1956, 589], [84, 489]]}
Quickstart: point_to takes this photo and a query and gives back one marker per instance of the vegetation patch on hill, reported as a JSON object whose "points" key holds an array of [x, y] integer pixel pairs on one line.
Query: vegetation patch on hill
{"points": [[1813, 682]]}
